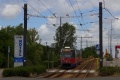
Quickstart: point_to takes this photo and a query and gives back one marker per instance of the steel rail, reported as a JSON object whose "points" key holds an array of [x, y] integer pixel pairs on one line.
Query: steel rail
{"points": [[88, 70], [76, 75]]}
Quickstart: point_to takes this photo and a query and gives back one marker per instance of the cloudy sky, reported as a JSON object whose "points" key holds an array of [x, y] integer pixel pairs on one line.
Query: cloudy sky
{"points": [[42, 14]]}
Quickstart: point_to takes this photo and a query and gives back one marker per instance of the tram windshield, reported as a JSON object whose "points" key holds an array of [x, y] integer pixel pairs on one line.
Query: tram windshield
{"points": [[66, 54]]}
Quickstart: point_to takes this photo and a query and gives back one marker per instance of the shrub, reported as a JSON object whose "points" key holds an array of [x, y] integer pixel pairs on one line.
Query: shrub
{"points": [[24, 71], [39, 69], [7, 72], [56, 64], [18, 71], [105, 71]]}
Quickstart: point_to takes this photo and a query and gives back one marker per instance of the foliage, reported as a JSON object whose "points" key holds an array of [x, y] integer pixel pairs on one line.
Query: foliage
{"points": [[32, 36], [110, 58], [24, 71], [67, 36], [51, 64], [52, 57], [36, 53], [2, 60], [105, 71], [89, 51], [7, 39]]}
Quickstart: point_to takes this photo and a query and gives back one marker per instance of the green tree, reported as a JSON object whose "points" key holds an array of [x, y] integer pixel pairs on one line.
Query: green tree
{"points": [[2, 60], [89, 51], [7, 39], [34, 54], [34, 49], [67, 38], [33, 36], [19, 29]]}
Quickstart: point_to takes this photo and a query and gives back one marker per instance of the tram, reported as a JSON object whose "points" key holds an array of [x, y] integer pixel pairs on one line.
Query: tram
{"points": [[70, 57]]}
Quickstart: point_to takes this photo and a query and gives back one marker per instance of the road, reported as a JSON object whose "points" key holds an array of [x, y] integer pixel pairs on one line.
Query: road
{"points": [[97, 78], [1, 70]]}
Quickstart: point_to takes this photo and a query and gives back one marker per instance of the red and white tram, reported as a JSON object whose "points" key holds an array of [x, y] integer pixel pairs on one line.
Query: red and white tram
{"points": [[70, 57]]}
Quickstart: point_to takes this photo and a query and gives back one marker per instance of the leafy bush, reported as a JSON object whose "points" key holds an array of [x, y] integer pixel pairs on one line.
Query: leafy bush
{"points": [[105, 71], [39, 69], [109, 58], [7, 72], [2, 60], [24, 71], [18, 71], [56, 64]]}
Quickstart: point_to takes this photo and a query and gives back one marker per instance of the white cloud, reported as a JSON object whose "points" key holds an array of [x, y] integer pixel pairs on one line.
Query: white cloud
{"points": [[46, 33], [112, 5], [43, 30], [0, 27], [10, 11], [61, 8]]}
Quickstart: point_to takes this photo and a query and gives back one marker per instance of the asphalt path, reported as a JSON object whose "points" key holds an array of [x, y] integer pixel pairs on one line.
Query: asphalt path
{"points": [[1, 70]]}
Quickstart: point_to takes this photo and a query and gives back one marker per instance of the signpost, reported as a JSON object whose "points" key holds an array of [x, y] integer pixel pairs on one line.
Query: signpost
{"points": [[8, 55], [53, 46], [18, 50], [97, 49]]}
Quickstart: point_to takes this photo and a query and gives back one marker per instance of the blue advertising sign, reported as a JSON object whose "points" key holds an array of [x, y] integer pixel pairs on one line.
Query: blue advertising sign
{"points": [[18, 59], [18, 50]]}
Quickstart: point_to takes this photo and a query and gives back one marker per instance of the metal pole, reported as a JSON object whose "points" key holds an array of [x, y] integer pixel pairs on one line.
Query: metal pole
{"points": [[111, 42], [100, 34], [86, 43], [25, 32], [48, 54], [8, 55], [60, 35], [53, 57], [108, 42], [81, 45]]}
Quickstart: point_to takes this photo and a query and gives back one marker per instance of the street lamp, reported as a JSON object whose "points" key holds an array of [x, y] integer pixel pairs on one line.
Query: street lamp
{"points": [[110, 36], [108, 39]]}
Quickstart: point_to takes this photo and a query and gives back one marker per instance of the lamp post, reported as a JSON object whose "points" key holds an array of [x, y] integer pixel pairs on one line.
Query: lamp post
{"points": [[110, 33], [111, 41]]}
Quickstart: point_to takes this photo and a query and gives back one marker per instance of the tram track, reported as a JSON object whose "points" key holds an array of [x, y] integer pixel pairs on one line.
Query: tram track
{"points": [[81, 71], [85, 70]]}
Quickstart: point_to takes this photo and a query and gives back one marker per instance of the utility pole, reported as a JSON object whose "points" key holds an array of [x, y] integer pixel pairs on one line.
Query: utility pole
{"points": [[48, 54], [8, 55], [108, 41], [110, 38], [81, 42], [25, 33], [60, 36], [81, 48], [100, 34], [86, 43], [111, 41]]}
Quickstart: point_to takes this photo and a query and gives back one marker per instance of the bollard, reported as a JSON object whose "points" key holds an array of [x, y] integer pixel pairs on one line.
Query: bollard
{"points": [[97, 63]]}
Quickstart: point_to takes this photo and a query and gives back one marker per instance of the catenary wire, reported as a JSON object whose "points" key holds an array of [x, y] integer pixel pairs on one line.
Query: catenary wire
{"points": [[36, 11]]}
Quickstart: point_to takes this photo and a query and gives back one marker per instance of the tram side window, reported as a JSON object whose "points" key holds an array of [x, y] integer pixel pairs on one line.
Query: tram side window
{"points": [[73, 54]]}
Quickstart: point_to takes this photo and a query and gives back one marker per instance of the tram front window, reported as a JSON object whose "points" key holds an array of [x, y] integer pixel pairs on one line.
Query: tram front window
{"points": [[66, 54]]}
